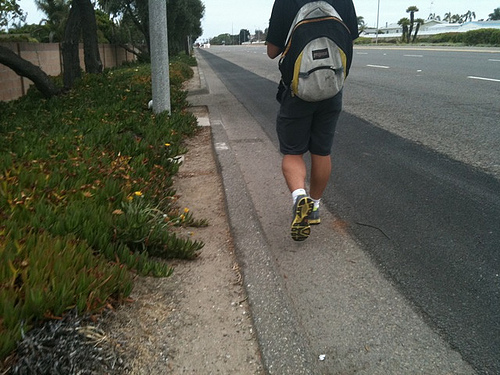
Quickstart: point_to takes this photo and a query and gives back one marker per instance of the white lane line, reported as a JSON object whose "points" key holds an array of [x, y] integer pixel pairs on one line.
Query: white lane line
{"points": [[484, 79], [496, 60], [361, 53], [378, 66], [413, 55]]}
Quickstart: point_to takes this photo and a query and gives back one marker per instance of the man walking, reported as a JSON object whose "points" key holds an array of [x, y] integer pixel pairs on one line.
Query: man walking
{"points": [[305, 126]]}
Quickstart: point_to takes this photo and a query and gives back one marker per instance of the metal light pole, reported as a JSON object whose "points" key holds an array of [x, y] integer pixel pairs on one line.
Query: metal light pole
{"points": [[378, 13], [159, 55]]}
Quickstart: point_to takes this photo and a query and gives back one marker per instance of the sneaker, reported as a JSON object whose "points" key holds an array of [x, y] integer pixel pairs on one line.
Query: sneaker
{"points": [[314, 217], [300, 228]]}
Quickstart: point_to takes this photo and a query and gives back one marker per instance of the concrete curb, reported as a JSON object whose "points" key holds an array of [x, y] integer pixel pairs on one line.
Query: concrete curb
{"points": [[282, 347]]}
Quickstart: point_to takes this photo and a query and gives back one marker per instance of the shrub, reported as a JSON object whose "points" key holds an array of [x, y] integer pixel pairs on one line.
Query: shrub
{"points": [[482, 36], [362, 40], [43, 276], [489, 37], [184, 58], [443, 38]]}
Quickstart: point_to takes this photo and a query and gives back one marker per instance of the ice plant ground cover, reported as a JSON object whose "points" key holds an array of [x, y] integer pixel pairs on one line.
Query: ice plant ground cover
{"points": [[86, 197]]}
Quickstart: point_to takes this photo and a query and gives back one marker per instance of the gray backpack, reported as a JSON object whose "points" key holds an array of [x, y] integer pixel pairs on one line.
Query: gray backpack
{"points": [[318, 53]]}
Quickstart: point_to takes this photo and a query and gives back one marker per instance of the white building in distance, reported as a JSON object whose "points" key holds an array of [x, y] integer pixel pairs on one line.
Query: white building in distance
{"points": [[430, 27]]}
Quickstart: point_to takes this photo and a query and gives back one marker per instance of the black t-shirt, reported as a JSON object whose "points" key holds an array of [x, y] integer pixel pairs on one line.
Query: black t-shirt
{"points": [[284, 12]]}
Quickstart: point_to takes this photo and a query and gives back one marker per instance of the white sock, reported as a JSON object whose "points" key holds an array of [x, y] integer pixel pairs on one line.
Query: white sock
{"points": [[298, 192], [316, 203]]}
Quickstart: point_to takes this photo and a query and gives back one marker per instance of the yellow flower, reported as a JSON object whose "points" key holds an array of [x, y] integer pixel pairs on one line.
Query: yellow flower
{"points": [[186, 210], [167, 145], [138, 194]]}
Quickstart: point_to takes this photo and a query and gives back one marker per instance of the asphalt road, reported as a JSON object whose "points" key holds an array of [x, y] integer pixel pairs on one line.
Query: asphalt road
{"points": [[416, 161], [446, 99]]}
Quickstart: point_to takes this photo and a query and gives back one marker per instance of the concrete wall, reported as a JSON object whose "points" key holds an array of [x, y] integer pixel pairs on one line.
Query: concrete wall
{"points": [[48, 57]]}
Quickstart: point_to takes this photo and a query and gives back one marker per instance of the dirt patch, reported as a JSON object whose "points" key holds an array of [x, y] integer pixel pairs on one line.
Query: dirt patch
{"points": [[196, 321]]}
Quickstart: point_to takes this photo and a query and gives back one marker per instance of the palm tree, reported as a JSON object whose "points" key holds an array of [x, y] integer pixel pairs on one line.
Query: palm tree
{"points": [[468, 16], [56, 12], [361, 24], [455, 18], [404, 22], [412, 11], [433, 16], [419, 22]]}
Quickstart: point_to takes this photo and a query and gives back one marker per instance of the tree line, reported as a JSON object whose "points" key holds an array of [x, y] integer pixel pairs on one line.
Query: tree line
{"points": [[244, 36]]}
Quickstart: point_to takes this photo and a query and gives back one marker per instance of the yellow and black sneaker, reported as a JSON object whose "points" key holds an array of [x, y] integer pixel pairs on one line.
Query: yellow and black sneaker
{"points": [[300, 228], [314, 218]]}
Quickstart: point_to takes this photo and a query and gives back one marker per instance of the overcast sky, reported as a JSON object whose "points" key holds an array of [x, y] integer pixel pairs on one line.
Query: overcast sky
{"points": [[230, 16]]}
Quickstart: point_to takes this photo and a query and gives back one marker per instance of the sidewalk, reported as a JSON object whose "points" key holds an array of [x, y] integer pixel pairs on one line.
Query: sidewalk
{"points": [[321, 306]]}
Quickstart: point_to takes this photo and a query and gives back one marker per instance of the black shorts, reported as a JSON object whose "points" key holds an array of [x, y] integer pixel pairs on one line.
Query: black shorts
{"points": [[305, 126]]}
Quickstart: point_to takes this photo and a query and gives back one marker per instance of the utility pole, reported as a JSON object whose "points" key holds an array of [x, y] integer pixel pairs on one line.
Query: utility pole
{"points": [[378, 15], [159, 55]]}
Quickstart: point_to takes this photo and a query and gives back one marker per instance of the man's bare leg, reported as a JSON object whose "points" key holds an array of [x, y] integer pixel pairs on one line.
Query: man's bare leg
{"points": [[294, 171], [321, 169]]}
